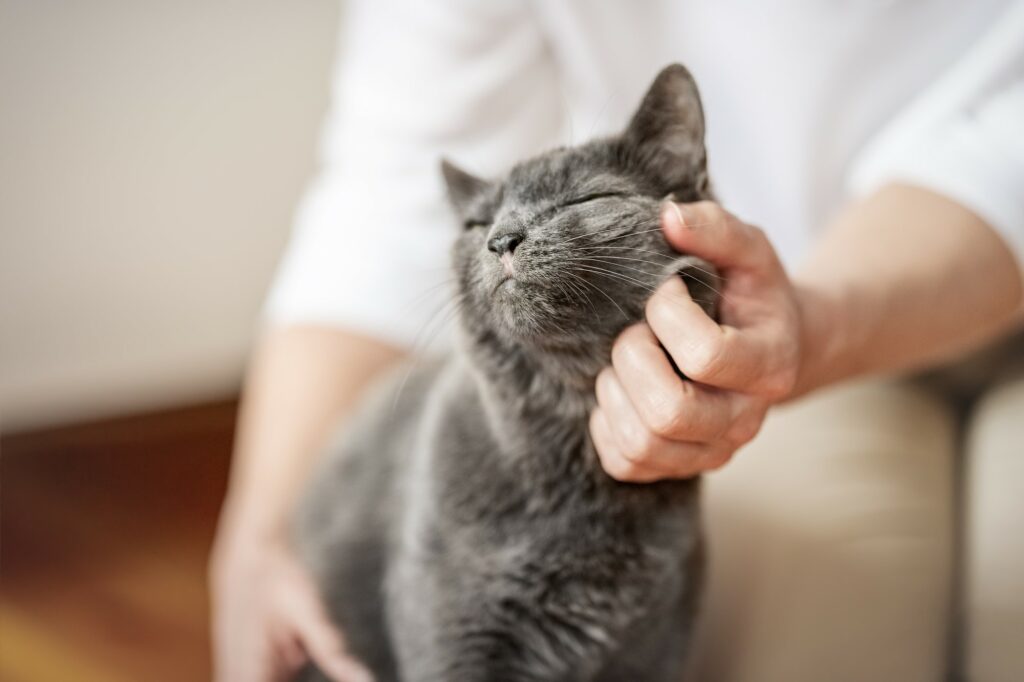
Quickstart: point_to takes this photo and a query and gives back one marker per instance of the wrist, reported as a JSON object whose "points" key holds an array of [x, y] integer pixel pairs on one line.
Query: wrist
{"points": [[244, 532], [827, 337]]}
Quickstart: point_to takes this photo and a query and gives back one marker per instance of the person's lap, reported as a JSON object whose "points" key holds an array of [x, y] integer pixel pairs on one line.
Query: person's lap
{"points": [[831, 543]]}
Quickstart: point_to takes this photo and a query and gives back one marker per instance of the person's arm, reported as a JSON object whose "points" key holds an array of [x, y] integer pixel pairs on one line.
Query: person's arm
{"points": [[903, 279], [414, 81], [302, 380]]}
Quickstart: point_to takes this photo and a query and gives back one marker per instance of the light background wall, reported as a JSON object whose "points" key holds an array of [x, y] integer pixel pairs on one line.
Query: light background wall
{"points": [[151, 156]]}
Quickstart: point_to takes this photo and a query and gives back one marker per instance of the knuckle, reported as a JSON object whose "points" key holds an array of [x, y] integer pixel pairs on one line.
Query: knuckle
{"points": [[704, 359], [739, 435], [664, 416], [757, 235], [620, 468], [758, 240], [718, 460], [744, 430], [638, 444], [779, 384]]}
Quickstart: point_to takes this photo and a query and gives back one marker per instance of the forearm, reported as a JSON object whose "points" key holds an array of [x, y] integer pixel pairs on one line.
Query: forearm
{"points": [[301, 382], [903, 279]]}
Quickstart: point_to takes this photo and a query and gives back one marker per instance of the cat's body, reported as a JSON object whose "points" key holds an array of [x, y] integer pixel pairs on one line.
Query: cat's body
{"points": [[464, 529], [499, 565]]}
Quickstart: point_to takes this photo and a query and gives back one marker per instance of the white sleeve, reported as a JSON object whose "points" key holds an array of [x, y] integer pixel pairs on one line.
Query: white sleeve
{"points": [[414, 80], [963, 137]]}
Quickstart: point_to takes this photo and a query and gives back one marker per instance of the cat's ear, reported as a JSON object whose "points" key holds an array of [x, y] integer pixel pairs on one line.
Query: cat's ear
{"points": [[665, 138], [463, 187]]}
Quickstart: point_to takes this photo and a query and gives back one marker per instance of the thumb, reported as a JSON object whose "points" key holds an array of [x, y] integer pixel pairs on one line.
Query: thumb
{"points": [[707, 230], [318, 636]]}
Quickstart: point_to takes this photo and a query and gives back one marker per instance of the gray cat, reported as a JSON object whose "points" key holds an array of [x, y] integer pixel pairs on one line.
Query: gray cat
{"points": [[463, 530]]}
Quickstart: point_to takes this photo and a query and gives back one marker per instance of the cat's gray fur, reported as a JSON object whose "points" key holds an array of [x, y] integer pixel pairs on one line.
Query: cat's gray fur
{"points": [[464, 529]]}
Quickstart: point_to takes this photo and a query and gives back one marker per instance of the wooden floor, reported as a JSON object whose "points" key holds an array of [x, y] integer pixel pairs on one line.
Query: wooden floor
{"points": [[104, 534]]}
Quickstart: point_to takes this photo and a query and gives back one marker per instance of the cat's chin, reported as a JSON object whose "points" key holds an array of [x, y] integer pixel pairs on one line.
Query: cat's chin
{"points": [[550, 337], [517, 327]]}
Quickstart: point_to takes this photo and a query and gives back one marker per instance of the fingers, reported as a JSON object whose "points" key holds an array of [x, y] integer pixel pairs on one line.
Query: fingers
{"points": [[615, 462], [756, 350], [707, 230], [718, 355], [650, 423], [670, 407], [630, 451], [318, 636]]}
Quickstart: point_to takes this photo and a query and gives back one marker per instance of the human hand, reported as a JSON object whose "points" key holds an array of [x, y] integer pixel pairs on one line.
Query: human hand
{"points": [[268, 620], [650, 424]]}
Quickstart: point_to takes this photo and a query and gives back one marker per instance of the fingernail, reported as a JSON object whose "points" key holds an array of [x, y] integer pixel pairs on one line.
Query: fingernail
{"points": [[680, 214]]}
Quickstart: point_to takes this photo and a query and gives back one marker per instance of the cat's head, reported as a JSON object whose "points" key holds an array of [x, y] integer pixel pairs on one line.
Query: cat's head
{"points": [[564, 251]]}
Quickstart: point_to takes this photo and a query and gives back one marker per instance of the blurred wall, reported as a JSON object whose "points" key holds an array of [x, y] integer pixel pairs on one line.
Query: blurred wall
{"points": [[151, 156]]}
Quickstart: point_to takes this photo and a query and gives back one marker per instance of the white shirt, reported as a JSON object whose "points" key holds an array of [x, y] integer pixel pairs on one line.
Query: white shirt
{"points": [[809, 103]]}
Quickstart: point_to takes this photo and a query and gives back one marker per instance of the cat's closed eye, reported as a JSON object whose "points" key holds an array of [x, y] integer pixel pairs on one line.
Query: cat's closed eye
{"points": [[473, 223], [586, 198]]}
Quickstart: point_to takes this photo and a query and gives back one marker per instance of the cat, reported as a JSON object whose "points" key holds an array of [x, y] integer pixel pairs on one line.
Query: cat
{"points": [[463, 529]]}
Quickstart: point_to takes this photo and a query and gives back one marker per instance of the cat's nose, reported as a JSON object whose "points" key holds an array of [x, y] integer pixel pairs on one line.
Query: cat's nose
{"points": [[505, 243]]}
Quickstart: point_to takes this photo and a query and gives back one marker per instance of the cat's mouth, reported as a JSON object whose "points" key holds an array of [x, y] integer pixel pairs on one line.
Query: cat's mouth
{"points": [[508, 274], [504, 282]]}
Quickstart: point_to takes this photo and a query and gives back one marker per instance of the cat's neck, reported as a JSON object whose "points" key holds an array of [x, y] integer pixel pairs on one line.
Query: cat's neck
{"points": [[538, 404], [532, 395]]}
